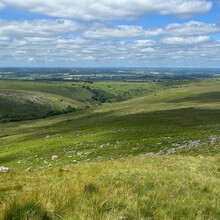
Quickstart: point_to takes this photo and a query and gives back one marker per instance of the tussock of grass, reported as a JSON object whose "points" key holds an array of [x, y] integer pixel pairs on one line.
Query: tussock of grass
{"points": [[91, 188], [26, 211]]}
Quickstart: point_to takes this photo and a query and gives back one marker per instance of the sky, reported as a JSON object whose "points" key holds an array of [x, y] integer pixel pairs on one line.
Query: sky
{"points": [[110, 33]]}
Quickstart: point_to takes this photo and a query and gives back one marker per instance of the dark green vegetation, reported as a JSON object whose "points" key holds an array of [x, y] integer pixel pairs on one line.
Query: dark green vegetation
{"points": [[26, 211], [140, 151]]}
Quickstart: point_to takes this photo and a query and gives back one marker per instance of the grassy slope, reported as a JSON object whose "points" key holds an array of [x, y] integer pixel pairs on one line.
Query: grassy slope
{"points": [[81, 91], [20, 100], [180, 119], [57, 88], [17, 105], [171, 187], [147, 124]]}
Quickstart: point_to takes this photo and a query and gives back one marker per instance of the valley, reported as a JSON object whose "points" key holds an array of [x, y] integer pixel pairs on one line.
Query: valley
{"points": [[143, 142]]}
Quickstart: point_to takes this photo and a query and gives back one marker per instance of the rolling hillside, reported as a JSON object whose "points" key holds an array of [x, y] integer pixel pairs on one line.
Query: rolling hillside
{"points": [[154, 123], [154, 156], [23, 100], [18, 105]]}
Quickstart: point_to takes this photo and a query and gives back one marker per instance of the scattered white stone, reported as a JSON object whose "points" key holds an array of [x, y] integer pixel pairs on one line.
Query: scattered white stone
{"points": [[27, 169], [74, 161], [150, 154], [54, 157], [4, 169], [213, 139], [105, 145]]}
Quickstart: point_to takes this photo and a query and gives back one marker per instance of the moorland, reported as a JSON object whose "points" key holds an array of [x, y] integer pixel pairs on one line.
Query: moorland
{"points": [[105, 149]]}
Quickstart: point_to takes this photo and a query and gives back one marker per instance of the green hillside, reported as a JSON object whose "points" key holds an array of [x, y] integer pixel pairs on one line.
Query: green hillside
{"points": [[17, 105], [153, 156], [23, 100], [152, 123]]}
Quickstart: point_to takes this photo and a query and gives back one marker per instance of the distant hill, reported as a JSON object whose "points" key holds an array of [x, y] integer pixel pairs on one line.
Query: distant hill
{"points": [[19, 105], [23, 100]]}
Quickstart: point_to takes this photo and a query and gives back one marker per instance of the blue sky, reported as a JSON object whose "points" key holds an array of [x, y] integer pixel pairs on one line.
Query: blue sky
{"points": [[110, 33]]}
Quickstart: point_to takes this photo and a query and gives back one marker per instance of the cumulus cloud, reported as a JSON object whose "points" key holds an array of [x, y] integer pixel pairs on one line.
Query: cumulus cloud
{"points": [[186, 40], [119, 32], [191, 28], [104, 32], [71, 50], [97, 31], [38, 27], [67, 41], [54, 49], [111, 9]]}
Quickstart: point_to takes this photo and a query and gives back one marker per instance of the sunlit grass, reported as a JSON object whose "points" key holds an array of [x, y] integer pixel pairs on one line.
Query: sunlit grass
{"points": [[160, 187]]}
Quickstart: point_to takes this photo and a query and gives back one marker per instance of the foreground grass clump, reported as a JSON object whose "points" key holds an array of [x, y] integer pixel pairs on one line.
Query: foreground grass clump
{"points": [[26, 211], [158, 187]]}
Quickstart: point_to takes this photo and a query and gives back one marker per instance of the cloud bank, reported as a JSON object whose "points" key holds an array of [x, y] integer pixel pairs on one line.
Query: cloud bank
{"points": [[83, 32], [110, 9]]}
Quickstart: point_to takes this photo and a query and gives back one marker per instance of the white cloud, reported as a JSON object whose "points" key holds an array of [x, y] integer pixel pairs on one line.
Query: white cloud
{"points": [[1, 5], [71, 51], [191, 28], [119, 32], [38, 27], [97, 31], [144, 43], [186, 40], [111, 9], [67, 41], [52, 49], [103, 32]]}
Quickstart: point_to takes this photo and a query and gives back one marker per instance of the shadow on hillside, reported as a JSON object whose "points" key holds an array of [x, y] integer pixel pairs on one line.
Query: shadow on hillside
{"points": [[201, 98], [175, 117], [152, 124]]}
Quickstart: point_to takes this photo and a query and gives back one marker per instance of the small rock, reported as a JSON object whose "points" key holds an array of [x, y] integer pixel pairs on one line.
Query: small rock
{"points": [[27, 169], [74, 161], [4, 169], [54, 157]]}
